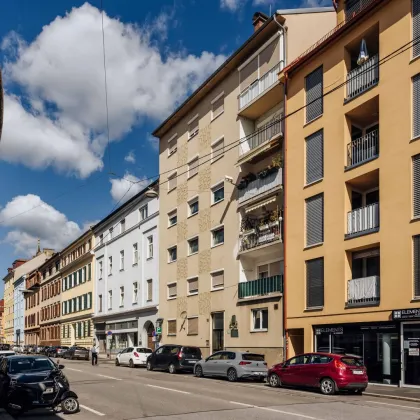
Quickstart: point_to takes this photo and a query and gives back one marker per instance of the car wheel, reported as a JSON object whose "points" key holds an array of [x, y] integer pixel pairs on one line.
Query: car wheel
{"points": [[327, 386], [172, 368], [274, 380], [149, 366], [131, 363], [232, 375], [199, 371], [117, 362], [70, 405]]}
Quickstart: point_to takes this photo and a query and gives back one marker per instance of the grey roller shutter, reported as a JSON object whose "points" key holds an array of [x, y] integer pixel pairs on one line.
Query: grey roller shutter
{"points": [[315, 283], [416, 185], [416, 264], [314, 100], [315, 220], [315, 157], [416, 28], [416, 105]]}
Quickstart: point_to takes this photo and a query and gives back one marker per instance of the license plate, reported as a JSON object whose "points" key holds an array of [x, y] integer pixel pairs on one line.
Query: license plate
{"points": [[358, 372], [192, 361], [49, 391]]}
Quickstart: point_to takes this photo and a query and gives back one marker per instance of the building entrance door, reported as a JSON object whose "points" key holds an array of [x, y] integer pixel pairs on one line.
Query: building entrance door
{"points": [[150, 330], [410, 353], [218, 333]]}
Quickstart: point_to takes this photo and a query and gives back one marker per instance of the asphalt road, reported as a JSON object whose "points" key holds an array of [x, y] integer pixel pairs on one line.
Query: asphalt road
{"points": [[121, 393]]}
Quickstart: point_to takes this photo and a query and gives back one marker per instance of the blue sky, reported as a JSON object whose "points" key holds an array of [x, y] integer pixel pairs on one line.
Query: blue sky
{"points": [[53, 154]]}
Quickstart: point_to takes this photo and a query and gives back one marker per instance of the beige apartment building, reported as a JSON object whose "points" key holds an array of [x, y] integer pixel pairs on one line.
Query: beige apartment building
{"points": [[31, 294], [8, 307], [221, 213], [50, 306], [77, 291], [352, 276]]}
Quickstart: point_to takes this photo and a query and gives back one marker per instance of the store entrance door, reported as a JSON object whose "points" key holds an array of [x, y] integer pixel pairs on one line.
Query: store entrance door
{"points": [[218, 332], [411, 354]]}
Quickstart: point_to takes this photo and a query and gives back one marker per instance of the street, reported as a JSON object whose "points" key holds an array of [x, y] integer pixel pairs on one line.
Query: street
{"points": [[121, 393]]}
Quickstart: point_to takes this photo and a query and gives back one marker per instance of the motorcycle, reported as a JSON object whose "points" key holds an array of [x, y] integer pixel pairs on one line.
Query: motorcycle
{"points": [[52, 392]]}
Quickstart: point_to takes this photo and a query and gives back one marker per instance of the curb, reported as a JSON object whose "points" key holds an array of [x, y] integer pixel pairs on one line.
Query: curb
{"points": [[392, 397]]}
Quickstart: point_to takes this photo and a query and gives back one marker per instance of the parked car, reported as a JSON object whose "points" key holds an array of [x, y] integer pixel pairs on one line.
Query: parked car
{"points": [[174, 358], [76, 353], [133, 356], [233, 366], [57, 351], [328, 372], [6, 353]]}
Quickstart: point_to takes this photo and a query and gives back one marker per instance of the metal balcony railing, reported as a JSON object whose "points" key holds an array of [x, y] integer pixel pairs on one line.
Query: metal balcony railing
{"points": [[260, 186], [354, 7], [363, 77], [363, 149], [363, 219], [260, 85], [261, 235], [260, 287], [363, 291]]}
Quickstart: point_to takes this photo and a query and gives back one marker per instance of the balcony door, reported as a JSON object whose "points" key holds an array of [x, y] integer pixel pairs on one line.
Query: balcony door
{"points": [[410, 343], [366, 263]]}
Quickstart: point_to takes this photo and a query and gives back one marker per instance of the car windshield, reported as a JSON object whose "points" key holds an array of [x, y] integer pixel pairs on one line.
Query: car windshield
{"points": [[24, 364], [253, 357], [352, 361]]}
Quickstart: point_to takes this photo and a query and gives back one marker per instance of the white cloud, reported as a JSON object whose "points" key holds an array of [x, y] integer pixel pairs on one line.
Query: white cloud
{"points": [[61, 73], [36, 219], [131, 157], [122, 189], [153, 141], [232, 5]]}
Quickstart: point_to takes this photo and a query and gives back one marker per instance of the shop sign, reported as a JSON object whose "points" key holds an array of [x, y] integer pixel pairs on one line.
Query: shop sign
{"points": [[158, 330], [329, 330], [402, 314]]}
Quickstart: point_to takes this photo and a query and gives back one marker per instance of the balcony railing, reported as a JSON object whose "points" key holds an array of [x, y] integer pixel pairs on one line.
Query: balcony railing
{"points": [[363, 219], [262, 135], [363, 149], [363, 291], [260, 287], [260, 186], [363, 77], [260, 85], [355, 7]]}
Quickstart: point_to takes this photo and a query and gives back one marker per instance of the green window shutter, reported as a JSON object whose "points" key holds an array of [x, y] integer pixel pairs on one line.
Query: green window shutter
{"points": [[75, 279], [84, 274], [90, 300], [89, 272], [85, 298], [88, 328], [80, 277]]}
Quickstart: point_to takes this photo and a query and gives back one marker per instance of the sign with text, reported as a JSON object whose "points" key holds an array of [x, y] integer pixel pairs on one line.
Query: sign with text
{"points": [[402, 314]]}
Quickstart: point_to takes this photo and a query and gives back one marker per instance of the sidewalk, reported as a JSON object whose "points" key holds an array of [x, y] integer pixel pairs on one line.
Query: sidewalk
{"points": [[406, 394]]}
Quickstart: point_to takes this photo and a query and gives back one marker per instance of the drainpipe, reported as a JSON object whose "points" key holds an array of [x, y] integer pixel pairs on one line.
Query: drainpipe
{"points": [[283, 31]]}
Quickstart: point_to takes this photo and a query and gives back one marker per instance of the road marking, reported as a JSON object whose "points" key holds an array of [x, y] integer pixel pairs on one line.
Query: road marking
{"points": [[238, 403], [169, 389], [109, 377], [75, 370], [394, 405], [98, 413]]}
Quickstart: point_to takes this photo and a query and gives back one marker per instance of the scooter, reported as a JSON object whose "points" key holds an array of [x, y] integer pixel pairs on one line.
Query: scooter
{"points": [[52, 392]]}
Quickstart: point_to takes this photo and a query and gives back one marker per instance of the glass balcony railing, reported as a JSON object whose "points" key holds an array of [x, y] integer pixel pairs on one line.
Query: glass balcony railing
{"points": [[364, 219], [363, 291], [260, 287], [363, 149]]}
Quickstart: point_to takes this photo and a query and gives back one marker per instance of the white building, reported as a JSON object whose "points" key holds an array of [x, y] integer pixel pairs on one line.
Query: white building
{"points": [[127, 274]]}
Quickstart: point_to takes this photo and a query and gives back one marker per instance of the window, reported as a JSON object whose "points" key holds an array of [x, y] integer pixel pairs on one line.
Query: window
{"points": [[218, 193], [109, 266], [192, 326], [217, 105], [150, 247], [259, 319], [122, 229], [193, 167], [314, 220], [89, 273], [172, 180], [122, 296], [135, 254], [217, 150], [315, 283], [172, 254], [121, 260], [416, 263], [171, 326], [110, 299], [172, 144], [416, 28], [416, 186], [217, 279], [101, 239], [135, 292], [111, 232], [149, 290], [193, 127], [193, 206], [143, 211], [218, 236], [270, 270], [192, 285], [193, 246], [172, 218], [172, 292], [315, 157], [314, 90], [416, 105]]}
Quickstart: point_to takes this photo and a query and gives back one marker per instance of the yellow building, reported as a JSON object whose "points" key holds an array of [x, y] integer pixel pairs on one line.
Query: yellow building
{"points": [[352, 240], [77, 288], [220, 249]]}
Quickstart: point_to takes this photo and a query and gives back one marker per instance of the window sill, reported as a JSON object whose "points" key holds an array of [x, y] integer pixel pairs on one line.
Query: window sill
{"points": [[171, 335], [192, 215], [315, 119], [313, 246], [189, 335], [415, 219], [413, 139], [172, 189], [109, 275], [171, 262], [172, 225], [313, 183], [194, 253], [414, 59], [217, 202], [150, 258], [216, 289], [191, 136], [314, 309], [193, 294], [171, 298], [415, 299], [134, 303], [215, 246], [121, 269], [214, 160], [192, 176], [135, 264], [262, 330], [215, 117], [121, 306], [149, 300]]}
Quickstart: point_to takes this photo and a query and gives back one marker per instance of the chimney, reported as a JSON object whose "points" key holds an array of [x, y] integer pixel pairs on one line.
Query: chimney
{"points": [[258, 20]]}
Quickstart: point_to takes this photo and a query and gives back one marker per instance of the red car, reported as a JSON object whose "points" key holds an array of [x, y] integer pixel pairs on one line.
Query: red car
{"points": [[328, 372]]}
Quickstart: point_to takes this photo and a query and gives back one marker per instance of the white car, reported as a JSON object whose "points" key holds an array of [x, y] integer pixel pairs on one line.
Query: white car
{"points": [[133, 356]]}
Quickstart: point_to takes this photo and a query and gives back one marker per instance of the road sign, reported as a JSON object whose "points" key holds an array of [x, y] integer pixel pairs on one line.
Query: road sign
{"points": [[158, 330], [109, 333]]}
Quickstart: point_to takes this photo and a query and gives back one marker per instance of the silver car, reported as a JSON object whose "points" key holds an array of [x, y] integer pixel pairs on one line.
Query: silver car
{"points": [[233, 365]]}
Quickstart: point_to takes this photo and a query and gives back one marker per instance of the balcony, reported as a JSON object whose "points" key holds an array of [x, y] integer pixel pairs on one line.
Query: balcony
{"points": [[354, 7], [363, 220], [363, 292], [363, 77], [363, 149], [250, 188], [260, 287]]}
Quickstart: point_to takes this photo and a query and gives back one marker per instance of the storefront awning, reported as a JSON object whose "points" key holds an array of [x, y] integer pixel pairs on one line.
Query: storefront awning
{"points": [[260, 204]]}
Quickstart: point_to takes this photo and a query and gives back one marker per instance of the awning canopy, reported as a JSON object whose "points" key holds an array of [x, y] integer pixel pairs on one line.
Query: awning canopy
{"points": [[261, 204]]}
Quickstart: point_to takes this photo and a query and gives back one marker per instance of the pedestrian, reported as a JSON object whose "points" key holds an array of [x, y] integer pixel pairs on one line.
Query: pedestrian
{"points": [[94, 351]]}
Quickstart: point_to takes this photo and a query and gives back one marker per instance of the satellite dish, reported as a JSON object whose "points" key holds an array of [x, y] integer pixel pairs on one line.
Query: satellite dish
{"points": [[1, 104]]}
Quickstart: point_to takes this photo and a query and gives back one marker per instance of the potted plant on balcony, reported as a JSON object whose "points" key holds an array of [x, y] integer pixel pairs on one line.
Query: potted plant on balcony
{"points": [[243, 183], [264, 173], [274, 218]]}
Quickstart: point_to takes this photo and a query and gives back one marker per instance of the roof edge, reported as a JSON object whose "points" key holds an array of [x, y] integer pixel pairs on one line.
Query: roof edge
{"points": [[305, 10]]}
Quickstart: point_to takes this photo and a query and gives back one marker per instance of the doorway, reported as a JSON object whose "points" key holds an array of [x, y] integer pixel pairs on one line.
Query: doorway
{"points": [[150, 330], [410, 343], [218, 333]]}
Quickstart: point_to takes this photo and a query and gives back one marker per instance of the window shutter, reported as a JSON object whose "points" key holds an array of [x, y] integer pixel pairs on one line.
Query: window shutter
{"points": [[172, 181], [218, 279], [149, 290], [64, 308], [416, 105], [81, 279], [218, 106], [88, 328], [89, 272], [315, 283], [192, 326], [275, 269], [193, 285], [314, 90], [416, 27], [193, 167], [84, 274], [172, 290], [172, 145], [172, 326], [315, 157], [416, 185], [416, 263], [90, 300], [315, 220]]}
